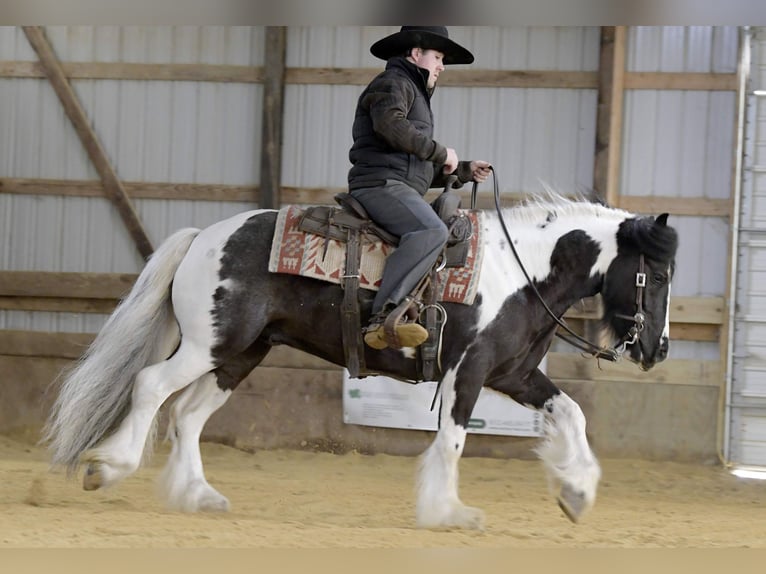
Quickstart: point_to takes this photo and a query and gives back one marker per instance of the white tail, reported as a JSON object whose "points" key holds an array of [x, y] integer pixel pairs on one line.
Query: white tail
{"points": [[95, 394]]}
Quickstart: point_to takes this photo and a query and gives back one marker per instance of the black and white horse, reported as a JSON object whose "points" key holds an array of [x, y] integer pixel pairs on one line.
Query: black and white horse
{"points": [[205, 311]]}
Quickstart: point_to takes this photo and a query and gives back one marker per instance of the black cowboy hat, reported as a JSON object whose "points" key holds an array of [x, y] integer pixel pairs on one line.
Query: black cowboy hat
{"points": [[426, 37]]}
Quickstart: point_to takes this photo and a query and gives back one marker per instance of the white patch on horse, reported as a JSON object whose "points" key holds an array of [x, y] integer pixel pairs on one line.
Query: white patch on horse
{"points": [[535, 229], [196, 284]]}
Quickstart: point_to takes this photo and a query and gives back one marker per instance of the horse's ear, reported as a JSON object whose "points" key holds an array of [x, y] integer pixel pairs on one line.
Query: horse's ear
{"points": [[662, 219]]}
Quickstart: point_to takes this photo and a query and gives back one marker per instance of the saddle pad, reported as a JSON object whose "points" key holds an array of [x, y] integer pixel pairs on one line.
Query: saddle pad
{"points": [[297, 253]]}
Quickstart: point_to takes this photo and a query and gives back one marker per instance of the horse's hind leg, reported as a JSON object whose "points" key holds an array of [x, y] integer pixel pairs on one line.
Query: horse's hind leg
{"points": [[438, 503], [183, 485], [120, 454]]}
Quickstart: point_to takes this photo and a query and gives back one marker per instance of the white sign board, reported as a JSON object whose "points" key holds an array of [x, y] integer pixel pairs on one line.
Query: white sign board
{"points": [[384, 402]]}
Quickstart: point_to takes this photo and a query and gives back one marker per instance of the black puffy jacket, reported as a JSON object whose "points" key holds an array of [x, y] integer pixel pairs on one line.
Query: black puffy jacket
{"points": [[393, 132]]}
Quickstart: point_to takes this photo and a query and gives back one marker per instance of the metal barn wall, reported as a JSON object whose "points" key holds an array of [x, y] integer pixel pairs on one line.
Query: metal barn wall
{"points": [[531, 135], [746, 405], [680, 143], [677, 144], [152, 131]]}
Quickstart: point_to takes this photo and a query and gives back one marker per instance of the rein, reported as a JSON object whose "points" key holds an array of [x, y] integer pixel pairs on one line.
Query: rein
{"points": [[613, 353]]}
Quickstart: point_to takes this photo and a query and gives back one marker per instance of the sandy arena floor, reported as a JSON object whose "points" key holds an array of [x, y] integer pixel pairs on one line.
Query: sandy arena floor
{"points": [[290, 499]]}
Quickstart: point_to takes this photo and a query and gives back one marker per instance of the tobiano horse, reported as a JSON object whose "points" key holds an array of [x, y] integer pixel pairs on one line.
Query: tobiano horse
{"points": [[205, 311]]}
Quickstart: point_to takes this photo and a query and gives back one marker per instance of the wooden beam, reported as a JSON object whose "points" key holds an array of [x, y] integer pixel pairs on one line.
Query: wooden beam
{"points": [[65, 284], [362, 76], [90, 141], [454, 78], [273, 106], [138, 189], [572, 366], [58, 304], [694, 206], [691, 310], [678, 331], [295, 75], [134, 71], [695, 332], [44, 344], [616, 115], [73, 345], [680, 81]]}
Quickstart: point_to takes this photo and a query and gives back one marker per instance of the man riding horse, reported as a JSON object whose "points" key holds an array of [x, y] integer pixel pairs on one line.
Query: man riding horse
{"points": [[396, 160]]}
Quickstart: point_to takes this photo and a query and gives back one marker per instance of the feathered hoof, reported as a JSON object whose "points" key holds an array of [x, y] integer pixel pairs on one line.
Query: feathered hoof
{"points": [[574, 503], [459, 516]]}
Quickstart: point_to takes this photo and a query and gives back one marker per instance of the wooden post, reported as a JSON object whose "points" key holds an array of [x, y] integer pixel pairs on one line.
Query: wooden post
{"points": [[112, 186], [603, 111], [273, 103], [614, 143], [608, 131]]}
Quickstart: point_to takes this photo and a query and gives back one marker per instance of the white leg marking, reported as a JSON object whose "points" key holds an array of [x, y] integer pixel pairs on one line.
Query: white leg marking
{"points": [[572, 469], [438, 503], [120, 454], [182, 484]]}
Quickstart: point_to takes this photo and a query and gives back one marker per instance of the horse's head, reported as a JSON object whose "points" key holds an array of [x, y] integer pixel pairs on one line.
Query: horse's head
{"points": [[636, 290]]}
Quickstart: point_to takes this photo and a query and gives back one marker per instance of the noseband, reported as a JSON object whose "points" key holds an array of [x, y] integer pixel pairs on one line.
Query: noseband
{"points": [[613, 353]]}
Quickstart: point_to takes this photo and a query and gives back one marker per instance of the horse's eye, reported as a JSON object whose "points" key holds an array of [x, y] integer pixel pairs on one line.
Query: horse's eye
{"points": [[659, 278]]}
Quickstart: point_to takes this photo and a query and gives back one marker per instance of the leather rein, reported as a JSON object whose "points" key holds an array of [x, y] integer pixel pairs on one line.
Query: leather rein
{"points": [[613, 353]]}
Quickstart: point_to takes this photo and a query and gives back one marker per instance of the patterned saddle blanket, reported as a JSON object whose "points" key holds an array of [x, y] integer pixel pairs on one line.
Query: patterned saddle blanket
{"points": [[298, 253]]}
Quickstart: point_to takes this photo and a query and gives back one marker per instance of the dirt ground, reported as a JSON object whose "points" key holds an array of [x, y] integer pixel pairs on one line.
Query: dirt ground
{"points": [[293, 499]]}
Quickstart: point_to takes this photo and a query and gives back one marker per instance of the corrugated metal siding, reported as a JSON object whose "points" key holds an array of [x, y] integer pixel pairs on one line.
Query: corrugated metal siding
{"points": [[210, 132], [680, 144], [153, 131], [747, 432], [531, 135]]}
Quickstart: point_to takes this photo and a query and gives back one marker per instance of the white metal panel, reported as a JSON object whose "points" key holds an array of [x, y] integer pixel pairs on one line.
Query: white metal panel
{"points": [[682, 49], [531, 135], [184, 132], [747, 400], [680, 143]]}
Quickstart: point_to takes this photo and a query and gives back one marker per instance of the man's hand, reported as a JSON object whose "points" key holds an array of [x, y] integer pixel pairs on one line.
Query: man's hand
{"points": [[480, 170], [450, 164]]}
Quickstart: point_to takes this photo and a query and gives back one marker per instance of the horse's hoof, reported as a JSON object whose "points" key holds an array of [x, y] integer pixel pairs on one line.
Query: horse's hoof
{"points": [[572, 502], [466, 517], [471, 518], [214, 504], [92, 479]]}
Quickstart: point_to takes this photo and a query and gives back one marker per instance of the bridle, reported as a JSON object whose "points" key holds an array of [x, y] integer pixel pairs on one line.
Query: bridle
{"points": [[639, 318], [613, 353]]}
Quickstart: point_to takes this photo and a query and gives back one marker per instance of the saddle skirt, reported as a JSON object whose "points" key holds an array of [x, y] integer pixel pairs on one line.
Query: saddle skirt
{"points": [[298, 253]]}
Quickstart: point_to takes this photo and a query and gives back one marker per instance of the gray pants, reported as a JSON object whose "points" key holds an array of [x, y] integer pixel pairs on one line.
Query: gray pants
{"points": [[402, 211]]}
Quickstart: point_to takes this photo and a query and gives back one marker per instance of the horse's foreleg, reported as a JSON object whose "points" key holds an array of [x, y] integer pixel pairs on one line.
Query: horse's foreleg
{"points": [[438, 503], [572, 468], [120, 454], [182, 484]]}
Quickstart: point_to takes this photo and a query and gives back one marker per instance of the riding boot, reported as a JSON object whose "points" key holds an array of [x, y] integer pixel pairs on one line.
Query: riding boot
{"points": [[409, 334]]}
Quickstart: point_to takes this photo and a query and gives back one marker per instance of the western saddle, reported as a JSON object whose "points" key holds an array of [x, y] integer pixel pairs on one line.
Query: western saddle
{"points": [[347, 224]]}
